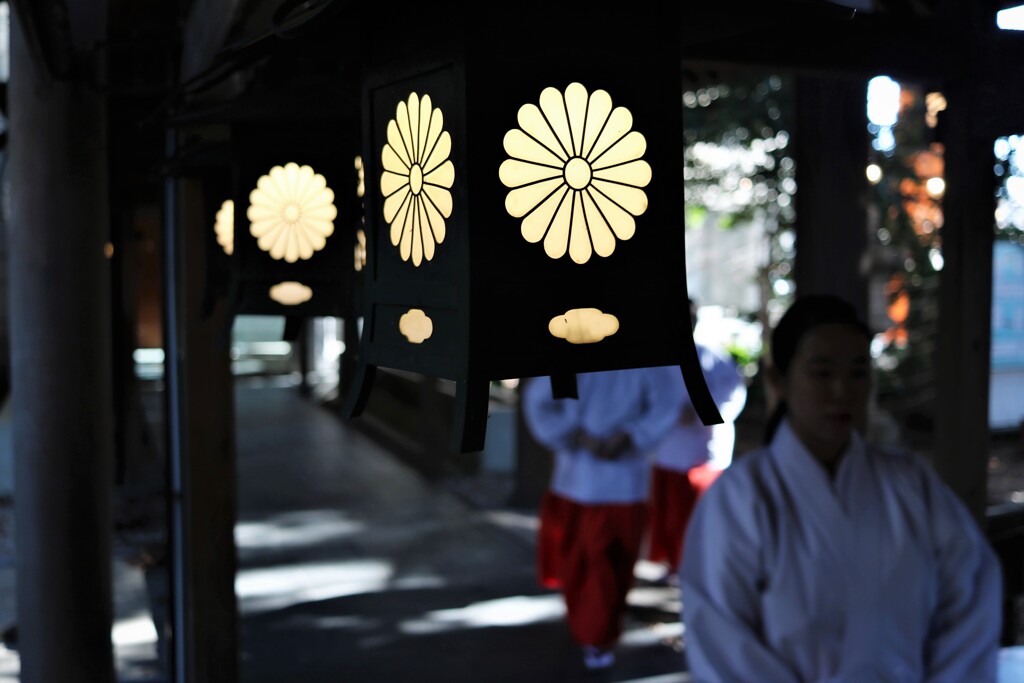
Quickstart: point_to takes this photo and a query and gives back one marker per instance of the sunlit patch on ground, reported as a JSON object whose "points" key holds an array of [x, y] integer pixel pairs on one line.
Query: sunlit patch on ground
{"points": [[296, 529], [512, 611], [271, 588]]}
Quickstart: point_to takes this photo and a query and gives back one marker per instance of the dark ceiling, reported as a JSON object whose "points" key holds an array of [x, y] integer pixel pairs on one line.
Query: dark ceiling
{"points": [[301, 59]]}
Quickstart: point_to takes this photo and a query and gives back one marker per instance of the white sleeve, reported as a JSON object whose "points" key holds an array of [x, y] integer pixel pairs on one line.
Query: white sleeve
{"points": [[963, 643], [664, 394], [552, 422], [719, 579], [728, 388]]}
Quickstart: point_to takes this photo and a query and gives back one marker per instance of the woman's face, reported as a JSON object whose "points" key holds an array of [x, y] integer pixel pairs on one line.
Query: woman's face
{"points": [[827, 388]]}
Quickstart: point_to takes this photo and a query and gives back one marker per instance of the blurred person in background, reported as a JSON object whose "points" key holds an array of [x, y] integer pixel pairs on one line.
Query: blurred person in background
{"points": [[689, 459], [593, 515], [824, 558]]}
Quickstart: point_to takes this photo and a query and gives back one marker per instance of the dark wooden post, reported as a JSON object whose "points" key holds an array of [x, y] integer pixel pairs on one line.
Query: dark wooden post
{"points": [[830, 142], [201, 450], [61, 379], [962, 434], [533, 464]]}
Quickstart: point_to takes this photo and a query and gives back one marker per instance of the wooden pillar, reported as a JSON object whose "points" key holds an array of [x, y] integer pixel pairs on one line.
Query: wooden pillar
{"points": [[61, 371], [962, 435], [201, 451], [830, 145], [534, 463]]}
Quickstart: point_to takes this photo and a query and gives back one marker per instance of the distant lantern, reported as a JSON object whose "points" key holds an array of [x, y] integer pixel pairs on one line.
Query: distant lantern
{"points": [[224, 226], [295, 216], [524, 202], [291, 212]]}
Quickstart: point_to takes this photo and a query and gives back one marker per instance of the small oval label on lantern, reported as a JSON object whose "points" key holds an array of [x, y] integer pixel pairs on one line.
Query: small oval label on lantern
{"points": [[290, 293], [575, 170], [583, 325], [416, 326]]}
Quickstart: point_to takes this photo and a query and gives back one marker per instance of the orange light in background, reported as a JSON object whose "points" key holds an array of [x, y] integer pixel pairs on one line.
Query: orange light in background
{"points": [[894, 284], [920, 199], [896, 335], [935, 102], [910, 189], [907, 99], [899, 309], [929, 163]]}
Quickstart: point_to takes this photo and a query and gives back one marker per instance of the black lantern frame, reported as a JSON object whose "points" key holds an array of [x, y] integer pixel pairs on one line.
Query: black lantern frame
{"points": [[483, 302]]}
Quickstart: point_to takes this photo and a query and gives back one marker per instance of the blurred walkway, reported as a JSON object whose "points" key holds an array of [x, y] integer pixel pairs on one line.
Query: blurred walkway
{"points": [[354, 568]]}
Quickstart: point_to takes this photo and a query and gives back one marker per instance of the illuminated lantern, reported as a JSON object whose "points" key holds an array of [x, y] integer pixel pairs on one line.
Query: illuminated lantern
{"points": [[295, 218], [524, 202]]}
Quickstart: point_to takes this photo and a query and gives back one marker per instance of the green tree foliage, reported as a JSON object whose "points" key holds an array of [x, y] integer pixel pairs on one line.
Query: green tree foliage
{"points": [[909, 247], [738, 169]]}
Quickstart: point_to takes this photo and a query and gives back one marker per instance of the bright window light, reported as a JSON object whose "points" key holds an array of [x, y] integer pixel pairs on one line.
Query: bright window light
{"points": [[1015, 189], [5, 27], [1011, 19], [148, 355], [883, 101]]}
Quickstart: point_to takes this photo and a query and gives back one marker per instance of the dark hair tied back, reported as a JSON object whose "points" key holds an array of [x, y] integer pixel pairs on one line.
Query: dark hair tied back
{"points": [[805, 314]]}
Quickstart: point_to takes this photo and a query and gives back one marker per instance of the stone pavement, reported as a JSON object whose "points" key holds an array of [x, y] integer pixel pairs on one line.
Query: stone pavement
{"points": [[354, 568]]}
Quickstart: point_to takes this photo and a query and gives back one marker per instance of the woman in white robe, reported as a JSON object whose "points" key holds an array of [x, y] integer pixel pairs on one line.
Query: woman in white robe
{"points": [[821, 558]]}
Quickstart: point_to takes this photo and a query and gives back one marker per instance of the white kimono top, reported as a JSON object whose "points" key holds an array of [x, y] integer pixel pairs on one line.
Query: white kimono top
{"points": [[693, 444], [643, 402], [880, 575]]}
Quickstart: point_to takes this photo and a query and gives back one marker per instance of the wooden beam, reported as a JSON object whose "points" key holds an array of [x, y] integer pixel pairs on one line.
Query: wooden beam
{"points": [[806, 38], [205, 32], [46, 31], [998, 104]]}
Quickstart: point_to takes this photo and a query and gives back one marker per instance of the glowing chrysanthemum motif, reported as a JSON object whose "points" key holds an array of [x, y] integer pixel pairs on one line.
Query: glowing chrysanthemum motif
{"points": [[291, 212], [416, 178], [575, 170], [224, 226]]}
